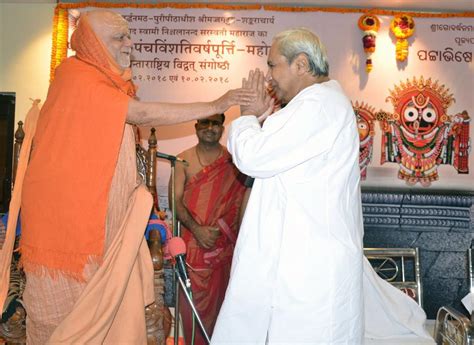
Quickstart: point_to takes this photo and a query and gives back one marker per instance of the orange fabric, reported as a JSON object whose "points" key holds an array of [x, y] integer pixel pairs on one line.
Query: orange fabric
{"points": [[109, 310], [66, 187], [14, 207], [214, 193], [212, 196], [90, 49], [50, 301]]}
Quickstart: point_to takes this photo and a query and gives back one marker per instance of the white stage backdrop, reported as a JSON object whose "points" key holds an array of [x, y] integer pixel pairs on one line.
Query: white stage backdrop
{"points": [[196, 54]]}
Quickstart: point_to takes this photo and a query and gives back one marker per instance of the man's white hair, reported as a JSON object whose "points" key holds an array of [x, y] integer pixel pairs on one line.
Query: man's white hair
{"points": [[294, 42]]}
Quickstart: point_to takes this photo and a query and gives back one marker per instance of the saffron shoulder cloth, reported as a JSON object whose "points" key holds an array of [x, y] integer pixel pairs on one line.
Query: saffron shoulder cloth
{"points": [[213, 197], [75, 151]]}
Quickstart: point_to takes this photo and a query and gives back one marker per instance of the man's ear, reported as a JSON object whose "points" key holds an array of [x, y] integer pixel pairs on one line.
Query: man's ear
{"points": [[302, 64]]}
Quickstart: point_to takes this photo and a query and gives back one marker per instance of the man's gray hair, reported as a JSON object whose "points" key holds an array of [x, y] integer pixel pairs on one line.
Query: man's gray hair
{"points": [[297, 41]]}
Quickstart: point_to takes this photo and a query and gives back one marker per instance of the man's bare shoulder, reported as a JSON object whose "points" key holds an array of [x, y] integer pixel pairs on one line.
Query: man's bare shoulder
{"points": [[186, 154], [193, 165]]}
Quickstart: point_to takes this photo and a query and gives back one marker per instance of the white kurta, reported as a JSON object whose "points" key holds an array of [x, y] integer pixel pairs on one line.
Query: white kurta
{"points": [[297, 270], [390, 314]]}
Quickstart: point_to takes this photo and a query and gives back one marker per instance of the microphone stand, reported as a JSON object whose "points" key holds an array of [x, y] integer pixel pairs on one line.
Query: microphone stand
{"points": [[176, 232], [191, 303]]}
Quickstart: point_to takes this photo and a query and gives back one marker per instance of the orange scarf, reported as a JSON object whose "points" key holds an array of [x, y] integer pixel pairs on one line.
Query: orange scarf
{"points": [[90, 49], [75, 151]]}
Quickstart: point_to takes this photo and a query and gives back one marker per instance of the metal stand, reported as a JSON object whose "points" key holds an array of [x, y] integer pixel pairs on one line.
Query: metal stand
{"points": [[191, 303], [176, 232]]}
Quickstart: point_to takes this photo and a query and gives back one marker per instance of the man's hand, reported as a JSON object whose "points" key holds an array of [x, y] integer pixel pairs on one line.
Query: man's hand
{"points": [[271, 109], [263, 104], [206, 236], [242, 97]]}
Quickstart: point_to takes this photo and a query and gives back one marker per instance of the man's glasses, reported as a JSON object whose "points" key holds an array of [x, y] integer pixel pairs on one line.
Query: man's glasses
{"points": [[205, 123]]}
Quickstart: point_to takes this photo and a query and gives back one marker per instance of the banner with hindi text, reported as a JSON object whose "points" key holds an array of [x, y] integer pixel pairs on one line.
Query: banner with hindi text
{"points": [[197, 53]]}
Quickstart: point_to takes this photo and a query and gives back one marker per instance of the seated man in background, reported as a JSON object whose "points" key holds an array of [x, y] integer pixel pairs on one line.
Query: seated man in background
{"points": [[209, 194]]}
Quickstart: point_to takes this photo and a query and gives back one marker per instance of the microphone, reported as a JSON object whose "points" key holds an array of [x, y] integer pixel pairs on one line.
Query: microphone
{"points": [[171, 158], [177, 249]]}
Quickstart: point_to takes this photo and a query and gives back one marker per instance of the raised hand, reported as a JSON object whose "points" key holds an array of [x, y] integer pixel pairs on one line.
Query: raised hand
{"points": [[263, 102], [271, 109]]}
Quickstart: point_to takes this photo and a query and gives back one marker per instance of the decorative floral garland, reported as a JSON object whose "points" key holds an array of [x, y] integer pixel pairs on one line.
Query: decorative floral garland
{"points": [[370, 24], [402, 26], [60, 39]]}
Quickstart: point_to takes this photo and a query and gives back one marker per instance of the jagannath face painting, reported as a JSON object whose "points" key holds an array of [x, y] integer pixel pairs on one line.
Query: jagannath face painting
{"points": [[420, 112], [420, 135]]}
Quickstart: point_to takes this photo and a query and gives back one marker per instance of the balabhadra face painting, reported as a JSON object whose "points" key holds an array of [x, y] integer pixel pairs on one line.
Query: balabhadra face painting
{"points": [[365, 116]]}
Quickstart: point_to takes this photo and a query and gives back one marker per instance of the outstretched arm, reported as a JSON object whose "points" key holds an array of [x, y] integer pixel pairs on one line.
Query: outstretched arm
{"points": [[159, 114]]}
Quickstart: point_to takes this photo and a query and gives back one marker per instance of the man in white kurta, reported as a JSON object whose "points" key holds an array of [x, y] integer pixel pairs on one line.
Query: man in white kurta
{"points": [[297, 269]]}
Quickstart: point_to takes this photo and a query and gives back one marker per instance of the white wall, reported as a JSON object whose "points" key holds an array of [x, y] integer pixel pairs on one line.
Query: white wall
{"points": [[25, 50]]}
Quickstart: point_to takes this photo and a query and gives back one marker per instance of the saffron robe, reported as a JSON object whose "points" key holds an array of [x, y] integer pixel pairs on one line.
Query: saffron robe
{"points": [[74, 155], [82, 149], [213, 197], [296, 274], [6, 247]]}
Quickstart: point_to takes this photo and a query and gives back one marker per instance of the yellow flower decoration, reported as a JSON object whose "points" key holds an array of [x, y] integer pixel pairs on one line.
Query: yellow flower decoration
{"points": [[60, 39], [402, 26], [370, 24]]}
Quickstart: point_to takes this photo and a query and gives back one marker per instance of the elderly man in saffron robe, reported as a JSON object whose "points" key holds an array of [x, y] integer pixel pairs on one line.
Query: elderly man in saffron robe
{"points": [[209, 195], [84, 210]]}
